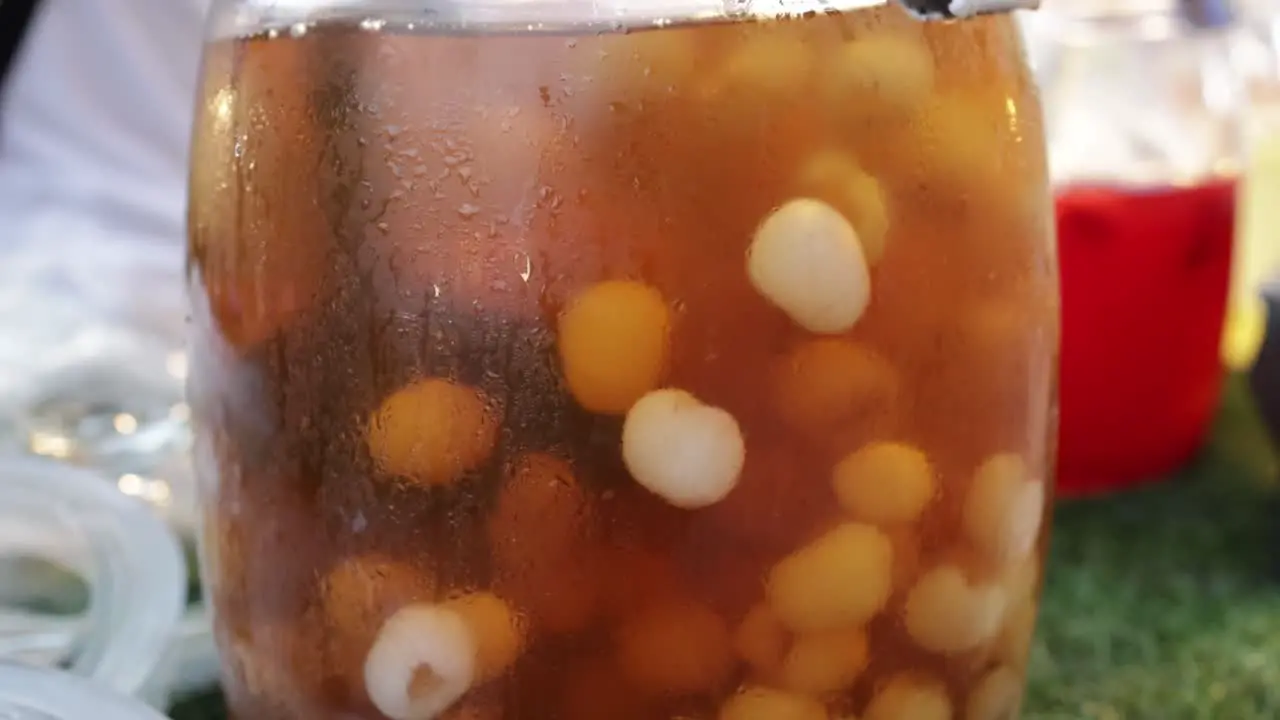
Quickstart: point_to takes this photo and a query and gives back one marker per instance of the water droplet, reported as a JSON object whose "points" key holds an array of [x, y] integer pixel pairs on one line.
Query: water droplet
{"points": [[468, 210]]}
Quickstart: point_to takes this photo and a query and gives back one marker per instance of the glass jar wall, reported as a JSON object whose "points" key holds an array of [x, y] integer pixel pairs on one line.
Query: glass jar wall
{"points": [[580, 361]]}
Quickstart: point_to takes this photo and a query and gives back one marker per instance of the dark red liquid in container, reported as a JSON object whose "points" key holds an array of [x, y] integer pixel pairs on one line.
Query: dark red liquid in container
{"points": [[1145, 275]]}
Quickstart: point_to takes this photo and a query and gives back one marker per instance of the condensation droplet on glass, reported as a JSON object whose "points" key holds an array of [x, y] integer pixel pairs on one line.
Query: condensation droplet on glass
{"points": [[372, 24], [383, 228], [464, 172], [468, 210]]}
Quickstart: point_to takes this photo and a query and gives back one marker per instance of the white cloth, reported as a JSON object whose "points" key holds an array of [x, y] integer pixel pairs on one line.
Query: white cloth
{"points": [[94, 127]]}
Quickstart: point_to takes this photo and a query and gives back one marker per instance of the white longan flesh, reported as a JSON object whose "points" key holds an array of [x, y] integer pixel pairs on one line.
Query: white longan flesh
{"points": [[996, 697], [422, 661], [832, 176], [945, 613], [1004, 508], [885, 483], [686, 452], [432, 431], [614, 340], [806, 259], [760, 639], [841, 579], [879, 74], [676, 647], [763, 703], [908, 697], [497, 630], [825, 662]]}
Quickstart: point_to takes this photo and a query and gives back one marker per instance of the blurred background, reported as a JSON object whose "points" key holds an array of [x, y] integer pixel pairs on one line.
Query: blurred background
{"points": [[1163, 590]]}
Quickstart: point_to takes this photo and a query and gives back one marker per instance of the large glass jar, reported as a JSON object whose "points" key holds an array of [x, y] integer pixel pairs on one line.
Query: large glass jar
{"points": [[588, 361]]}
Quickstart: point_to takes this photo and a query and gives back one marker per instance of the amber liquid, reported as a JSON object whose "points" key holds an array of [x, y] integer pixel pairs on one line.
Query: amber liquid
{"points": [[389, 233]]}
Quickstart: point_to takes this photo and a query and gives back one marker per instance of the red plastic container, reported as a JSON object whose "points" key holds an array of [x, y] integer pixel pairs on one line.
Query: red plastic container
{"points": [[1145, 274]]}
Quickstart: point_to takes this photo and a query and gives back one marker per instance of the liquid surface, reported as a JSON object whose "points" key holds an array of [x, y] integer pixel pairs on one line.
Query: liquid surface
{"points": [[696, 372]]}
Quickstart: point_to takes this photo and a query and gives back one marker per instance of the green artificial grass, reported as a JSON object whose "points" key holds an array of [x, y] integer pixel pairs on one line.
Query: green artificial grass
{"points": [[1160, 604]]}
